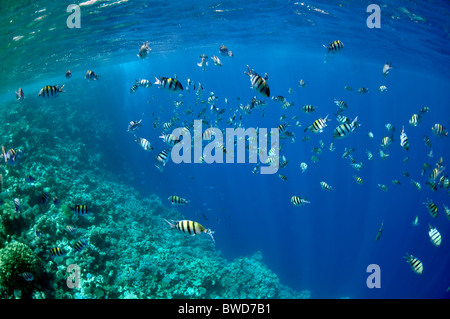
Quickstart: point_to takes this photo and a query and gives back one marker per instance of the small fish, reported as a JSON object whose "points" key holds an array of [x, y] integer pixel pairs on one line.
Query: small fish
{"points": [[80, 245], [37, 232], [447, 211], [51, 90], [90, 75], [380, 230], [223, 50], [27, 276], [341, 104], [169, 84], [435, 236], [175, 200], [334, 46], [44, 198], [325, 186], [424, 110], [439, 130], [358, 179], [363, 90], [396, 182], [308, 109], [404, 142], [144, 50], [416, 264], [56, 201], [427, 141], [81, 210], [259, 83], [318, 125], [386, 141], [370, 135], [299, 201], [143, 83], [416, 184], [70, 229], [302, 83], [170, 139], [68, 74], [17, 205], [348, 88], [134, 125], [432, 208], [415, 120], [57, 252], [383, 187], [386, 68], [145, 144], [282, 177], [190, 227], [216, 60], [162, 159], [303, 166], [345, 129], [415, 222], [203, 64], [382, 88], [390, 127], [19, 94], [29, 179], [134, 88]]}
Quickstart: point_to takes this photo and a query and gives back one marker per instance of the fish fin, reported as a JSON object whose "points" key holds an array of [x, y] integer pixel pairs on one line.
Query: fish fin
{"points": [[171, 225]]}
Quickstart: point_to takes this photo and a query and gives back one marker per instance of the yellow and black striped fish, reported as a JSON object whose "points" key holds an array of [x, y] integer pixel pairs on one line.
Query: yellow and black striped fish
{"points": [[427, 141], [404, 142], [80, 209], [299, 201], [169, 84], [325, 186], [358, 179], [318, 125], [176, 200], [90, 75], [415, 119], [435, 236], [170, 139], [432, 208], [334, 46], [57, 252], [259, 83], [439, 130], [308, 108], [50, 90], [345, 129], [415, 263], [190, 227], [80, 245]]}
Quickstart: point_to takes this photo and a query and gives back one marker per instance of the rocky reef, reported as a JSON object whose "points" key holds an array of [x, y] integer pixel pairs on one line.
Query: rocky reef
{"points": [[123, 247]]}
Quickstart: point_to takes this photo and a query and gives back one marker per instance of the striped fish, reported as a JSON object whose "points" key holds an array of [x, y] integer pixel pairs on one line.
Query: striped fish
{"points": [[345, 129], [17, 205], [386, 141], [427, 141], [27, 276], [415, 183], [439, 130], [143, 82], [80, 209], [146, 145], [404, 142], [71, 230], [90, 75], [170, 139], [282, 177], [325, 186], [432, 208], [415, 120], [358, 179], [176, 200], [308, 108], [318, 125], [334, 46], [447, 211], [163, 157], [169, 84], [50, 90], [341, 104], [282, 128], [299, 201], [259, 83], [435, 236], [415, 263], [57, 252], [190, 227], [80, 245], [134, 88]]}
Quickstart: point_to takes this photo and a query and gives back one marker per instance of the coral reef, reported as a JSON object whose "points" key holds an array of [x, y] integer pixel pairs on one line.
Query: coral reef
{"points": [[129, 252]]}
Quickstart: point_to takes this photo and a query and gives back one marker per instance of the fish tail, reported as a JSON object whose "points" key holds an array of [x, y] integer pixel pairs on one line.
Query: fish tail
{"points": [[171, 225], [157, 82], [210, 233], [4, 153]]}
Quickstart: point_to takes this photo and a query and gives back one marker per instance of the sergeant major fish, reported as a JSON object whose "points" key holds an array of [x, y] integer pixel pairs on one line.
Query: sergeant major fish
{"points": [[50, 90], [169, 84], [190, 227], [259, 83]]}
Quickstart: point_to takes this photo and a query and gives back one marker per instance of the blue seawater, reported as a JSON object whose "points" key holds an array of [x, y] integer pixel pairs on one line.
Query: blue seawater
{"points": [[324, 246]]}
